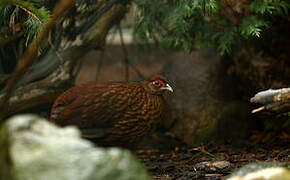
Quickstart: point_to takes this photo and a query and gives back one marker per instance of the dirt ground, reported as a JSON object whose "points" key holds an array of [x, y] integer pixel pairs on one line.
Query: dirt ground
{"points": [[214, 161]]}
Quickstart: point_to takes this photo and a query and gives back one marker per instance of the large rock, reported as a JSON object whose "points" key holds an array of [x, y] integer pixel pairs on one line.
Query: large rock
{"points": [[34, 149], [206, 104]]}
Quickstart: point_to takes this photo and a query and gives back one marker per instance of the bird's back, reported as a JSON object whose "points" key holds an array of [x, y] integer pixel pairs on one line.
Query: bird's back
{"points": [[111, 112]]}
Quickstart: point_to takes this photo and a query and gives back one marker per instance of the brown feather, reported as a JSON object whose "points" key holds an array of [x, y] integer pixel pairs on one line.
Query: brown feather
{"points": [[114, 113]]}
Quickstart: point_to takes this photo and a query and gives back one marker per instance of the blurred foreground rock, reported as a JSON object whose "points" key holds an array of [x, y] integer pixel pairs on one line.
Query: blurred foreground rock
{"points": [[32, 148], [262, 171]]}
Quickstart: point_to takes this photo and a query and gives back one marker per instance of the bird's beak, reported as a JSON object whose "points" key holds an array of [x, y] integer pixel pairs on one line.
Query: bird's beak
{"points": [[167, 87]]}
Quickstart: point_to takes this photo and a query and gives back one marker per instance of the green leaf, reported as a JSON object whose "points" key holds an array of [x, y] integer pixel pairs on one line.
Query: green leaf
{"points": [[5, 12], [225, 41], [210, 6], [33, 27], [252, 26], [270, 7]]}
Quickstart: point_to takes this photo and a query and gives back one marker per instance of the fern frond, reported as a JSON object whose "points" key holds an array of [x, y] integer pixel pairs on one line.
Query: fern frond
{"points": [[252, 26], [278, 7]]}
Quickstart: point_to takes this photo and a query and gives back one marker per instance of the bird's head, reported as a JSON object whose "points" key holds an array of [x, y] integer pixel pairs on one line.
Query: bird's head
{"points": [[157, 84]]}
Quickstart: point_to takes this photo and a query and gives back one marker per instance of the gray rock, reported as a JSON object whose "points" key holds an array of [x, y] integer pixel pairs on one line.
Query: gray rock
{"points": [[34, 149], [206, 105], [262, 171]]}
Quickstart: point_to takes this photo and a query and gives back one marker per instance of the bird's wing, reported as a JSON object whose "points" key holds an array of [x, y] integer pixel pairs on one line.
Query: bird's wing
{"points": [[92, 105]]}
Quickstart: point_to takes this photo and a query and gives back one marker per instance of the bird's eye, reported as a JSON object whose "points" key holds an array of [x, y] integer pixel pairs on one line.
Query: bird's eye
{"points": [[156, 83]]}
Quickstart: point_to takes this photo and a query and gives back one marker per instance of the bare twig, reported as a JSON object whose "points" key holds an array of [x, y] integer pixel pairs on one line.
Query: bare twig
{"points": [[126, 60], [137, 71], [29, 12], [258, 109], [100, 64]]}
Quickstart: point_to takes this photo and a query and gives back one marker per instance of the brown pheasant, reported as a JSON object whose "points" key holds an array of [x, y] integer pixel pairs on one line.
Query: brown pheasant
{"points": [[113, 113]]}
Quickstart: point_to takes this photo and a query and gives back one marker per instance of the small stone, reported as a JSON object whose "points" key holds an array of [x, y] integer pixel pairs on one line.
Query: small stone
{"points": [[213, 165], [221, 164]]}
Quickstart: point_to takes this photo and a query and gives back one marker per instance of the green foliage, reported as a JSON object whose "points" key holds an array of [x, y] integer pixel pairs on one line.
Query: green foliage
{"points": [[28, 16], [210, 6], [252, 26], [33, 27], [270, 7], [185, 24]]}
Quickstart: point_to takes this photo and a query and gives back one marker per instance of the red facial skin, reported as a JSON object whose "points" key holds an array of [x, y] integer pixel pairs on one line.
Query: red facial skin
{"points": [[156, 83]]}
